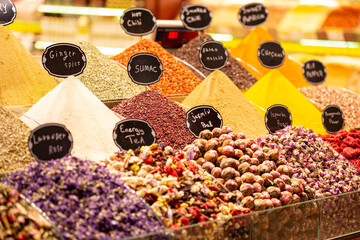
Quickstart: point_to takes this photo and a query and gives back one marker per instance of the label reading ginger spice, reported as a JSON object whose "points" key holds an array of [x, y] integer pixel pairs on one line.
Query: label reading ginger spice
{"points": [[271, 54], [196, 17], [50, 141], [213, 55], [332, 119], [138, 21], [314, 72], [145, 68], [64, 60], [7, 12], [277, 117], [133, 133], [203, 117], [253, 14]]}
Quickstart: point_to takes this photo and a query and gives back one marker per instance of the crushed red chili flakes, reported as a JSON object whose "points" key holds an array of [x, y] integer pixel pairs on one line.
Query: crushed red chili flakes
{"points": [[347, 143], [176, 78]]}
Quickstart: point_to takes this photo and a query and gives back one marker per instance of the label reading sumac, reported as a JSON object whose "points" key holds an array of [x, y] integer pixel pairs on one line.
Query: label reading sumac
{"points": [[196, 17], [277, 117], [50, 141], [138, 21], [7, 12], [145, 68], [64, 60], [213, 55], [314, 72], [133, 133], [203, 117], [271, 54], [253, 14], [332, 119]]}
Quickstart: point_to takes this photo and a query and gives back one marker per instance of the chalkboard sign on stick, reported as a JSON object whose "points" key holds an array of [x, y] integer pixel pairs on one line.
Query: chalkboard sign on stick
{"points": [[145, 68], [203, 117], [253, 14], [271, 54], [7, 12], [277, 117], [196, 17], [138, 21], [332, 119], [314, 72], [213, 55]]}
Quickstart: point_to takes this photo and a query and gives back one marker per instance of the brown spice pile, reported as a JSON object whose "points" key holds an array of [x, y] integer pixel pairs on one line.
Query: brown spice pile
{"points": [[176, 78], [233, 69], [14, 153], [164, 115]]}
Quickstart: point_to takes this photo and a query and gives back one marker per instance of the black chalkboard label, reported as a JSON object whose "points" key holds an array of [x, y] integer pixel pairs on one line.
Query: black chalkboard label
{"points": [[332, 119], [271, 54], [314, 72], [277, 117], [213, 55], [50, 141], [145, 68], [138, 21], [196, 17], [133, 133], [253, 14], [203, 117], [64, 60], [7, 12]]}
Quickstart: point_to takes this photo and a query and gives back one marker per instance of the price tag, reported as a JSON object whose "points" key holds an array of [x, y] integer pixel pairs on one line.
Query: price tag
{"points": [[196, 17], [145, 68], [138, 21], [277, 117], [314, 72], [50, 141], [213, 55], [203, 117], [271, 54], [64, 60], [253, 14], [332, 119], [133, 133], [7, 12]]}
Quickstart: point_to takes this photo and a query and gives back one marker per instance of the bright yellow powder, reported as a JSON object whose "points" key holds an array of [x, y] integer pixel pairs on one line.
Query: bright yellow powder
{"points": [[23, 80], [219, 91], [274, 88], [247, 51]]}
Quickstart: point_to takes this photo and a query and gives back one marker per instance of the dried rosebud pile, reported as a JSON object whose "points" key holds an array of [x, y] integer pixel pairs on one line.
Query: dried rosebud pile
{"points": [[347, 143], [313, 160], [19, 220], [84, 200]]}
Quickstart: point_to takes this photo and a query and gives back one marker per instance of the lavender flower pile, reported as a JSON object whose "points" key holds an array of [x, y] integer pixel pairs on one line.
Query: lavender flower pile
{"points": [[84, 200]]}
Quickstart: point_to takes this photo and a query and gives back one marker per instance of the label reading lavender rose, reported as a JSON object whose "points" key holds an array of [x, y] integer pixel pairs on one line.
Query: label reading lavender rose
{"points": [[314, 72], [253, 14], [196, 17], [203, 117], [138, 21], [133, 133], [332, 119], [277, 117], [213, 55], [50, 141], [7, 12], [145, 68], [64, 60], [271, 54]]}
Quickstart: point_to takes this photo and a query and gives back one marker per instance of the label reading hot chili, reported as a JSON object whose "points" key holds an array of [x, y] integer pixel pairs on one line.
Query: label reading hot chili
{"points": [[203, 117], [133, 133], [64, 60], [213, 55], [253, 14], [50, 141], [332, 119], [7, 12], [271, 54], [138, 21], [277, 117], [196, 17], [314, 72], [145, 68]]}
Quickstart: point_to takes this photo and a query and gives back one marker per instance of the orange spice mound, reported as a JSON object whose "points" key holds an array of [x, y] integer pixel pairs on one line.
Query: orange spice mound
{"points": [[176, 78]]}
